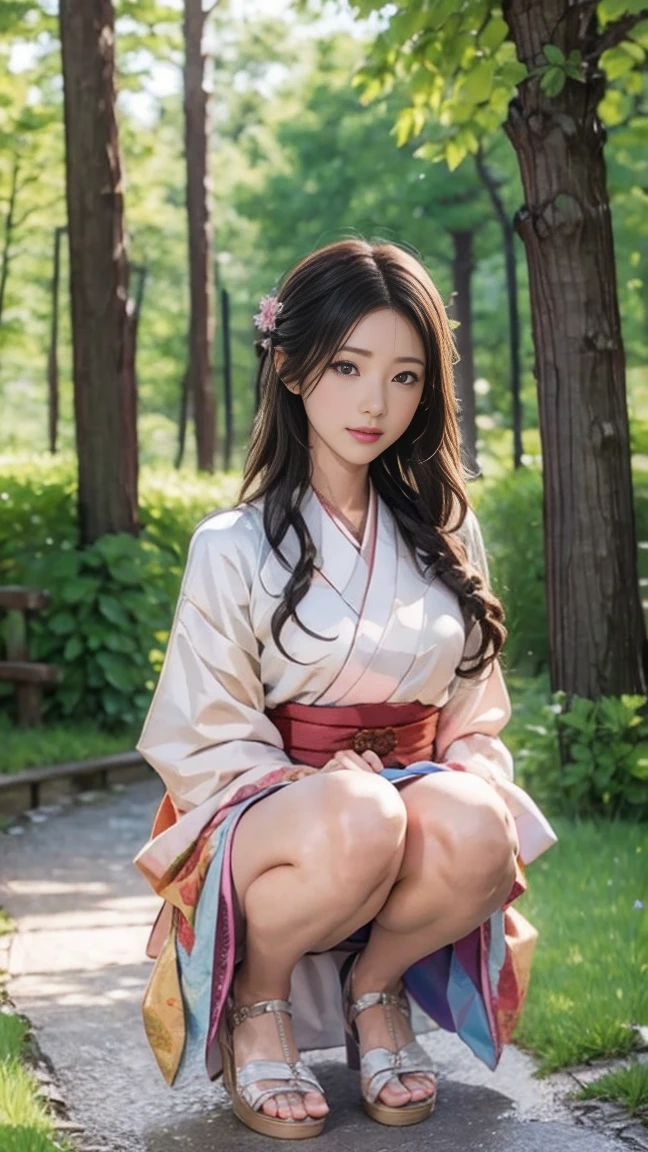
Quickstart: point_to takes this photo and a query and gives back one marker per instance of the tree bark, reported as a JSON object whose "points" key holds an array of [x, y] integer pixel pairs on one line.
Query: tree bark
{"points": [[596, 625], [102, 333], [201, 322], [508, 241], [52, 355], [462, 269], [8, 233]]}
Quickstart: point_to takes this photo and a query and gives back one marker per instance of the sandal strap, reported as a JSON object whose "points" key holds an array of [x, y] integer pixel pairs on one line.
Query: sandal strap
{"points": [[379, 1066], [246, 1011], [371, 999], [296, 1077]]}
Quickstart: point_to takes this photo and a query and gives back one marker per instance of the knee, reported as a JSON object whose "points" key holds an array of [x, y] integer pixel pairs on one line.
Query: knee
{"points": [[366, 824], [478, 838]]}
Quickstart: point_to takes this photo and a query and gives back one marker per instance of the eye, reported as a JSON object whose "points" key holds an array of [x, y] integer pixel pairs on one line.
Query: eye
{"points": [[339, 365], [414, 376]]}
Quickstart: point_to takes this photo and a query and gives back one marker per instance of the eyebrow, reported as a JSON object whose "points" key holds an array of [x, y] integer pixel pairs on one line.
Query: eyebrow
{"points": [[397, 359]]}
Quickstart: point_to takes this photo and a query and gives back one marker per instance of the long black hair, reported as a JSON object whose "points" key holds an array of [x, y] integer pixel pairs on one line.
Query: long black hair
{"points": [[420, 476]]}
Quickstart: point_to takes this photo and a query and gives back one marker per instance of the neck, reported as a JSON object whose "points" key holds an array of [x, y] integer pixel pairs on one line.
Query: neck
{"points": [[345, 485]]}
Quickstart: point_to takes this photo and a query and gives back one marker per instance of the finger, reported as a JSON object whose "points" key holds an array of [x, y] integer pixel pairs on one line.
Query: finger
{"points": [[351, 760], [373, 760]]}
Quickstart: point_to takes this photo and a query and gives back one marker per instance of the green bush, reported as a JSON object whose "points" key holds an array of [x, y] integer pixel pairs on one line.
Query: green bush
{"points": [[605, 745], [510, 513], [112, 602]]}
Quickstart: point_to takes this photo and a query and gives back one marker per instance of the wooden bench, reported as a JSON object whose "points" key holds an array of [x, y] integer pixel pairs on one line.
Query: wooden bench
{"points": [[30, 678]]}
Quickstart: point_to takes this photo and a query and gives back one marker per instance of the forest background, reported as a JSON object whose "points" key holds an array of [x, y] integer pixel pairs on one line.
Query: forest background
{"points": [[300, 155]]}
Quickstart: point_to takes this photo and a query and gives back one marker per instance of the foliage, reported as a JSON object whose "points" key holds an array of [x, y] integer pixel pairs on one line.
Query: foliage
{"points": [[59, 743], [113, 602], [510, 513], [587, 897], [605, 767], [462, 67]]}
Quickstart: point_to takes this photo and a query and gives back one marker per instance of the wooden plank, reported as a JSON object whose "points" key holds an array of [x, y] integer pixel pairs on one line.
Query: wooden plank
{"points": [[26, 672], [72, 769], [14, 597]]}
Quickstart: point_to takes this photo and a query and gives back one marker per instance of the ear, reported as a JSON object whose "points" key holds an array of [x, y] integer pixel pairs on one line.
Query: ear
{"points": [[279, 361]]}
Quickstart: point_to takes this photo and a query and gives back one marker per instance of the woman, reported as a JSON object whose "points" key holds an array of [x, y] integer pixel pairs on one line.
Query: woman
{"points": [[339, 802]]}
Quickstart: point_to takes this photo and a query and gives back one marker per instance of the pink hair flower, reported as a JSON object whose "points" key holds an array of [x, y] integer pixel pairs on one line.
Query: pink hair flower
{"points": [[266, 317]]}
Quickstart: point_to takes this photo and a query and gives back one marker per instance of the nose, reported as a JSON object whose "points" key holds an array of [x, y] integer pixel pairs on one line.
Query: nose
{"points": [[375, 401]]}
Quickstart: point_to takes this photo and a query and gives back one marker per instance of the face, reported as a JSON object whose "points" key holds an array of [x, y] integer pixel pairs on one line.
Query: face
{"points": [[374, 381]]}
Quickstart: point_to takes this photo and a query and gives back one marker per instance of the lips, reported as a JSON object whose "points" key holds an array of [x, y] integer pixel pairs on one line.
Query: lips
{"points": [[365, 435]]}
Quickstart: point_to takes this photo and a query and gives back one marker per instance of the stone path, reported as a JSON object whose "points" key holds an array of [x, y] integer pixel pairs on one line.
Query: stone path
{"points": [[77, 970]]}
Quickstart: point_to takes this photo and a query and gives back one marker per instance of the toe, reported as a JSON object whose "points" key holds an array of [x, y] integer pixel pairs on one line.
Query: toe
{"points": [[315, 1104], [420, 1085], [270, 1107], [283, 1106], [395, 1094], [297, 1110]]}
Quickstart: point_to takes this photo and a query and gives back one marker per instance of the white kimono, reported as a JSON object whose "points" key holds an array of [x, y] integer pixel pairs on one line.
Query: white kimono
{"points": [[393, 635], [389, 634]]}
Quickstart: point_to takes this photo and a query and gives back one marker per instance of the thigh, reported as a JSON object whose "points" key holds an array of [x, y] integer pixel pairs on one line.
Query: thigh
{"points": [[328, 819]]}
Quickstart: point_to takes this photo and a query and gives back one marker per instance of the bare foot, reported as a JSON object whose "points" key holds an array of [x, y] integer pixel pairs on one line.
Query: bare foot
{"points": [[374, 1032], [258, 1039]]}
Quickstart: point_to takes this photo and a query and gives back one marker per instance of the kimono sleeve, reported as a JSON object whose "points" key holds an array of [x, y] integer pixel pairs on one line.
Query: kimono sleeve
{"points": [[480, 707], [206, 725]]}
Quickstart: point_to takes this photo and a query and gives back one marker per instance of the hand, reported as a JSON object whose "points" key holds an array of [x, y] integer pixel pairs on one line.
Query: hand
{"points": [[350, 761]]}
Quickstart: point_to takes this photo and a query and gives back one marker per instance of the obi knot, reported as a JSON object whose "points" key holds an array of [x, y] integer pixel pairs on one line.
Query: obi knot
{"points": [[382, 741]]}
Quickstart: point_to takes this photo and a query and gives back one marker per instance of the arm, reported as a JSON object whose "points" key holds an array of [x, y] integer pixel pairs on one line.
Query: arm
{"points": [[479, 708], [206, 725]]}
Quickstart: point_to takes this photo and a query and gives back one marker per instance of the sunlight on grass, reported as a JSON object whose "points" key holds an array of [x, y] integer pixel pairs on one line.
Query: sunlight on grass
{"points": [[18, 1103], [59, 743], [587, 898], [627, 1086]]}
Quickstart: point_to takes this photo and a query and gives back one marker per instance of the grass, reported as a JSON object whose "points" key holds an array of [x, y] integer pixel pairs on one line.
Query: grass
{"points": [[587, 898], [59, 743], [25, 1123], [627, 1086]]}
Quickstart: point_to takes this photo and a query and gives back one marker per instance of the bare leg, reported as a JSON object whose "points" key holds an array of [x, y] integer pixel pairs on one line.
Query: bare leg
{"points": [[310, 863], [458, 868]]}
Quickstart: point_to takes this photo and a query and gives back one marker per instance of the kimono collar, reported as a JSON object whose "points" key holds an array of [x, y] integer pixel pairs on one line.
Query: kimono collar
{"points": [[341, 562]]}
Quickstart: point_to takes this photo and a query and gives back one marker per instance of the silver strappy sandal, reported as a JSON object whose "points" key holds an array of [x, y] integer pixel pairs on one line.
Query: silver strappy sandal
{"points": [[380, 1065], [241, 1083]]}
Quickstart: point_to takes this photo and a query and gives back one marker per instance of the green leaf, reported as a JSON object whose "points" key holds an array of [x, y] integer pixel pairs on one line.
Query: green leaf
{"points": [[478, 83], [82, 589], [62, 623], [616, 62], [494, 34], [112, 610], [73, 648], [553, 81], [455, 152], [125, 572], [553, 54], [118, 671]]}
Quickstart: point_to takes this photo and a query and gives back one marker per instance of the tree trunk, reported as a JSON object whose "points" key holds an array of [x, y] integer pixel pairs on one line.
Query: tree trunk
{"points": [[227, 381], [462, 269], [508, 242], [595, 620], [102, 337], [8, 233], [52, 356], [201, 322]]}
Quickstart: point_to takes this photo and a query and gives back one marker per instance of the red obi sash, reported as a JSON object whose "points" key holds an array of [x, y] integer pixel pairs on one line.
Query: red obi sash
{"points": [[400, 734]]}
